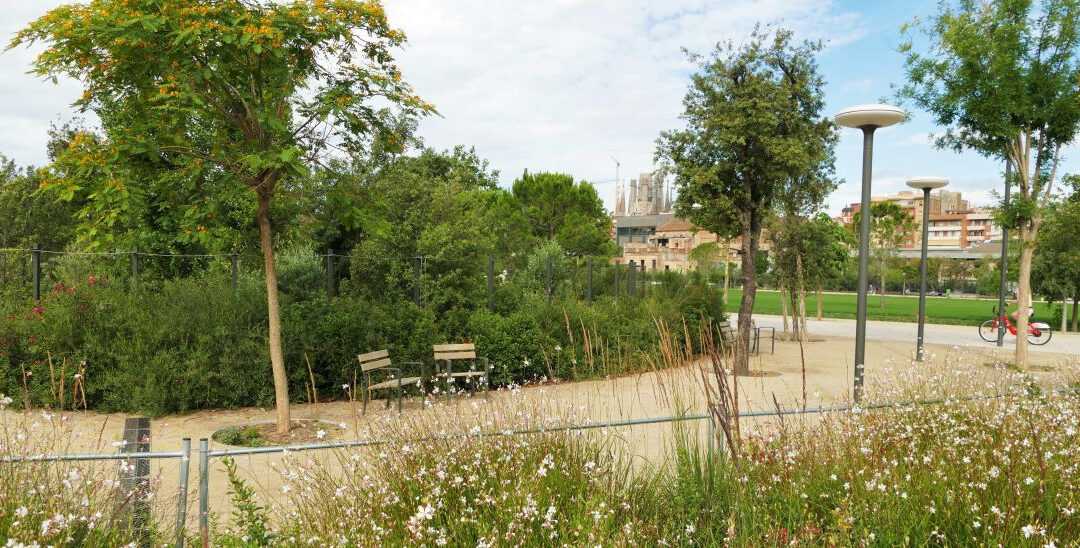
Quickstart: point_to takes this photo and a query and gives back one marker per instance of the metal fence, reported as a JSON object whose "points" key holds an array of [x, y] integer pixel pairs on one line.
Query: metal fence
{"points": [[32, 272], [205, 454]]}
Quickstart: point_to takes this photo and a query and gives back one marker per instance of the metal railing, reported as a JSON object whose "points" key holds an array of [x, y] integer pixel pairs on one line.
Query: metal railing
{"points": [[587, 277], [205, 454]]}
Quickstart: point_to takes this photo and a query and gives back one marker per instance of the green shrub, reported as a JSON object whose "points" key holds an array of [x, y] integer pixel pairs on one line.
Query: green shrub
{"points": [[189, 344], [331, 332], [168, 346]]}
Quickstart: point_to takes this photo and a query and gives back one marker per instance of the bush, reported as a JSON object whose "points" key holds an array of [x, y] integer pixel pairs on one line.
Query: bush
{"points": [[194, 343], [331, 332], [188, 344]]}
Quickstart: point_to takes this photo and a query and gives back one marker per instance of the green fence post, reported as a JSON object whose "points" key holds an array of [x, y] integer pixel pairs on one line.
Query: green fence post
{"points": [[135, 268], [235, 272], [550, 279], [331, 286], [36, 259], [491, 282], [588, 279]]}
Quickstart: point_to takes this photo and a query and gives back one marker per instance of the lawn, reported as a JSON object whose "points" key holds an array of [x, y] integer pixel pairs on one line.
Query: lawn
{"points": [[941, 310]]}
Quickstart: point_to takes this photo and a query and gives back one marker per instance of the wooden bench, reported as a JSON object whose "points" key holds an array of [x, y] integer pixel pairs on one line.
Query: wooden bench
{"points": [[379, 361], [729, 335], [449, 354]]}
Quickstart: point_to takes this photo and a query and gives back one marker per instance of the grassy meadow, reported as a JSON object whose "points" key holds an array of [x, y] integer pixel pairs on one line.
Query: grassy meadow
{"points": [[893, 308]]}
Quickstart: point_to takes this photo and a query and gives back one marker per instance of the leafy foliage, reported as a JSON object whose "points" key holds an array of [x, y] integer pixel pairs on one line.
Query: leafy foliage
{"points": [[1056, 272], [571, 213], [1003, 79], [755, 140]]}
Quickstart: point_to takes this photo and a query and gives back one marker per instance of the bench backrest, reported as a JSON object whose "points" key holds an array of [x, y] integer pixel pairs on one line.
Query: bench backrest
{"points": [[461, 351], [726, 331], [374, 360]]}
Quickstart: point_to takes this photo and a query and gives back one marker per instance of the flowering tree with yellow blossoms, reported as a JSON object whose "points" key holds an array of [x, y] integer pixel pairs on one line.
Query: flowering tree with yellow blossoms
{"points": [[240, 91]]}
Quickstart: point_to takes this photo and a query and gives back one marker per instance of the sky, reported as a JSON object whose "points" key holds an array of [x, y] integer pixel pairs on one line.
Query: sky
{"points": [[573, 85]]}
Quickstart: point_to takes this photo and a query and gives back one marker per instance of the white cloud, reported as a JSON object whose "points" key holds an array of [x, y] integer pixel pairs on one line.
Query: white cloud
{"points": [[553, 85], [567, 85]]}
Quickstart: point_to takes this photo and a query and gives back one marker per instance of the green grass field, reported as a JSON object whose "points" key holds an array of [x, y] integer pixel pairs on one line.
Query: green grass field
{"points": [[941, 310]]}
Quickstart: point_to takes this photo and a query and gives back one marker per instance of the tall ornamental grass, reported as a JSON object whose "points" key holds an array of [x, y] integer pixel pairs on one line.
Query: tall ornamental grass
{"points": [[64, 503], [977, 466]]}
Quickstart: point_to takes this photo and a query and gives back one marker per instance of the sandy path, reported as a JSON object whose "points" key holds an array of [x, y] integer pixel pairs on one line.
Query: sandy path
{"points": [[828, 375]]}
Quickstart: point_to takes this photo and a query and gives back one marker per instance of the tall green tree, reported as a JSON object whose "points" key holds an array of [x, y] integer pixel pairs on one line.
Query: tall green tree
{"points": [[31, 217], [755, 137], [1056, 272], [890, 226], [441, 213], [570, 212], [243, 93], [1003, 78], [809, 253]]}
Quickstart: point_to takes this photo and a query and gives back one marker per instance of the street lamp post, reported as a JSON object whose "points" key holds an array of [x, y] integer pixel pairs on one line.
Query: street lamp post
{"points": [[1004, 264], [868, 118], [926, 184]]}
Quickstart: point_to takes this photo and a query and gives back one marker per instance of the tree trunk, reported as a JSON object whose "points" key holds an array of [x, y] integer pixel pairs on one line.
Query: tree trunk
{"points": [[277, 359], [1023, 297], [1075, 313], [802, 310], [750, 235], [881, 290], [820, 303], [783, 307], [726, 269], [1064, 314]]}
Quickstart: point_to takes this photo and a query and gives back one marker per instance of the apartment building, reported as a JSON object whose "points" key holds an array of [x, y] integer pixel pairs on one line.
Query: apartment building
{"points": [[954, 224]]}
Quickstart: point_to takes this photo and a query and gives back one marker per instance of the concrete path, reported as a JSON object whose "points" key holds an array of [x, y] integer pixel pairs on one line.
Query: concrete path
{"points": [[953, 335]]}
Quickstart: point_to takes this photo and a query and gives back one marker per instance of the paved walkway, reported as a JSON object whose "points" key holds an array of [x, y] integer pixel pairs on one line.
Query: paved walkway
{"points": [[953, 335]]}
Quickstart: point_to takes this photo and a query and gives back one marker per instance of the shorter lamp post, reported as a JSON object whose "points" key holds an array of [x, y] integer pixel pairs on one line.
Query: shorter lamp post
{"points": [[926, 184], [867, 118]]}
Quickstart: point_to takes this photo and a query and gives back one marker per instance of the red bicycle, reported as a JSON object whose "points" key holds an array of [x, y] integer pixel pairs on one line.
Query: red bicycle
{"points": [[1038, 333]]}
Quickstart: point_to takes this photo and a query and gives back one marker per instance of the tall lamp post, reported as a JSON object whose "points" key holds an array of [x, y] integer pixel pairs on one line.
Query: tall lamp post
{"points": [[868, 118], [926, 184], [1004, 264]]}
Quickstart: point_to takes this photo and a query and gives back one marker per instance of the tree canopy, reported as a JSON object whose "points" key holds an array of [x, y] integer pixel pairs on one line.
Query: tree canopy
{"points": [[569, 212], [207, 98], [755, 139], [1003, 79]]}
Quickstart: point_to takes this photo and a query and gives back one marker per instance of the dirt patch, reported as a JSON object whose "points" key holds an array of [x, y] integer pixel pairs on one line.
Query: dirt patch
{"points": [[263, 434]]}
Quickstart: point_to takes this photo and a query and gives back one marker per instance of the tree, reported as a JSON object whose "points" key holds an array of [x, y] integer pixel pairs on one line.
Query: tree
{"points": [[1056, 272], [31, 217], [243, 94], [1003, 79], [560, 209], [811, 252], [754, 138], [890, 225]]}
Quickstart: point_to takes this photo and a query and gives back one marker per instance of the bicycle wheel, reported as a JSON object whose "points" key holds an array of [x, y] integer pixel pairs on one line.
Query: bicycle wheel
{"points": [[1040, 337], [989, 331]]}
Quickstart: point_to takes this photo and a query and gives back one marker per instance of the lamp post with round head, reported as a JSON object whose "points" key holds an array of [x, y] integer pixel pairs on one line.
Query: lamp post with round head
{"points": [[926, 184], [868, 118]]}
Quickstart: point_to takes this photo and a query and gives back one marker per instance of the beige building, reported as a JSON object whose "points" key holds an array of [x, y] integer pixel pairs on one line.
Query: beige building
{"points": [[953, 223], [664, 242]]}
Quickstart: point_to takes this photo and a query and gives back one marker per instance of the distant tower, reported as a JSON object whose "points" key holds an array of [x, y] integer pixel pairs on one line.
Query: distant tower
{"points": [[620, 198]]}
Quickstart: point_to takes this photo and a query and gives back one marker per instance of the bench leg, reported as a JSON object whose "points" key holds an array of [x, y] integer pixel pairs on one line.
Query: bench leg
{"points": [[400, 393], [367, 395]]}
